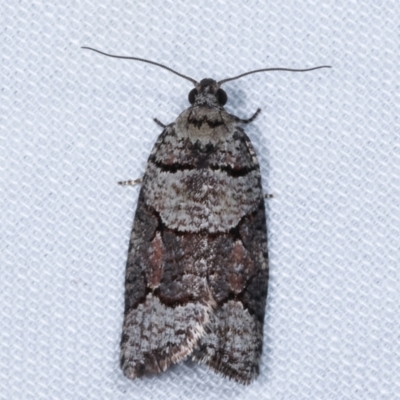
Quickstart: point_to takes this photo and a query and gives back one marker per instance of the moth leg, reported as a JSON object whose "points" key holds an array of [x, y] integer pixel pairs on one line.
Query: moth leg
{"points": [[251, 119], [130, 183], [158, 122]]}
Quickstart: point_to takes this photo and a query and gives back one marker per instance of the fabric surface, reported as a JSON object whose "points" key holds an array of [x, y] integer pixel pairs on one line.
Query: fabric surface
{"points": [[73, 123]]}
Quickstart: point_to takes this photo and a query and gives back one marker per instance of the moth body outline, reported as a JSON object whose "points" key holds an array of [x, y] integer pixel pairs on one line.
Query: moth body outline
{"points": [[197, 269], [200, 199]]}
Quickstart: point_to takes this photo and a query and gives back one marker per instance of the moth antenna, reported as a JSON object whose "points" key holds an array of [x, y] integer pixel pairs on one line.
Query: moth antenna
{"points": [[271, 69], [143, 60]]}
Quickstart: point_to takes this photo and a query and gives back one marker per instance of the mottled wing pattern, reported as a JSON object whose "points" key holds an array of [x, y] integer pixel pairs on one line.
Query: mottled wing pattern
{"points": [[232, 345], [166, 309], [197, 271]]}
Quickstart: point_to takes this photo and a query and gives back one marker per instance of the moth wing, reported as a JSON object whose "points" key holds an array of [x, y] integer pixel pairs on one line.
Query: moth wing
{"points": [[232, 345], [163, 322]]}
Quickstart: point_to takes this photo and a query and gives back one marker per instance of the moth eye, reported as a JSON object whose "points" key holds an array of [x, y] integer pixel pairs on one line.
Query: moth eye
{"points": [[192, 96], [222, 97]]}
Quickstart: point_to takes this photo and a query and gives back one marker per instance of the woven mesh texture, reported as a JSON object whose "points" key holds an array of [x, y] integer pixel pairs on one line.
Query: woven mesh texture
{"points": [[73, 122]]}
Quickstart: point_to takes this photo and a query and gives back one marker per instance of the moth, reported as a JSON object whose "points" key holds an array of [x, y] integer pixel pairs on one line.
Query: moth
{"points": [[197, 270]]}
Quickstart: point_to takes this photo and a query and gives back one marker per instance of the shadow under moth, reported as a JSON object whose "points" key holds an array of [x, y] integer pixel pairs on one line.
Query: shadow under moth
{"points": [[197, 270]]}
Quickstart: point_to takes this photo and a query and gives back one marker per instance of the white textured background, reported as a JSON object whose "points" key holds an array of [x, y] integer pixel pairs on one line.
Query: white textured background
{"points": [[73, 123]]}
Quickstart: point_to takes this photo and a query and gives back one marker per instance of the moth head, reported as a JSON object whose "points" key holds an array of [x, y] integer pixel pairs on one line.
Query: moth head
{"points": [[208, 92]]}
